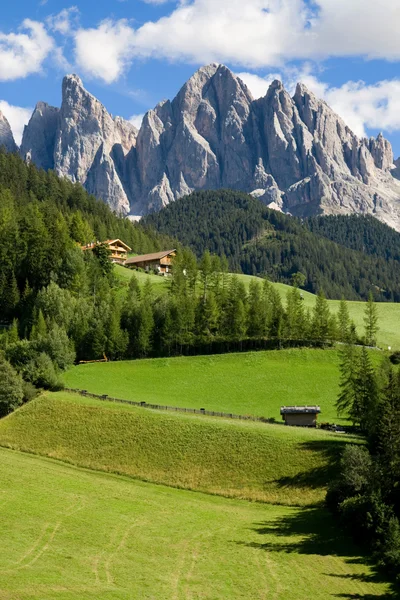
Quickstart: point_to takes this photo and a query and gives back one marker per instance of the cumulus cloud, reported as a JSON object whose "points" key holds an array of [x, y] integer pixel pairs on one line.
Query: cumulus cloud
{"points": [[24, 52], [361, 106], [65, 21], [17, 116], [105, 52], [254, 33], [136, 120]]}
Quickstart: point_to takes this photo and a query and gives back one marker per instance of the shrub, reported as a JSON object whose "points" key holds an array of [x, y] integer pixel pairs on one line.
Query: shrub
{"points": [[395, 358], [30, 391], [42, 373], [11, 392]]}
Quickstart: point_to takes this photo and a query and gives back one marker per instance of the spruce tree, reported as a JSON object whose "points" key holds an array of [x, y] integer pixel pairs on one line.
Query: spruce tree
{"points": [[343, 321], [320, 323], [348, 366], [371, 322], [366, 397]]}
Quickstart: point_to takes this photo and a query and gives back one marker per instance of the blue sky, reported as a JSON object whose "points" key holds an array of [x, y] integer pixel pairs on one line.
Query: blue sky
{"points": [[131, 54]]}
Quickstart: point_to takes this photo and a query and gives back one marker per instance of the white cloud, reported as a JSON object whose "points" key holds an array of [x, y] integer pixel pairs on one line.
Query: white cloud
{"points": [[23, 53], [258, 85], [251, 33], [136, 120], [361, 106], [104, 52], [17, 116], [65, 21]]}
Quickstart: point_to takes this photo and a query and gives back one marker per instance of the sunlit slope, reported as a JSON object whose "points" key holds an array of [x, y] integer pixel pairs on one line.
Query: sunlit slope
{"points": [[250, 383], [72, 534], [255, 461]]}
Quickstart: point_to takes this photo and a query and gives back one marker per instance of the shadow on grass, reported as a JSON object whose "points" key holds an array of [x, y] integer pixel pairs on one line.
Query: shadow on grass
{"points": [[330, 451], [313, 531]]}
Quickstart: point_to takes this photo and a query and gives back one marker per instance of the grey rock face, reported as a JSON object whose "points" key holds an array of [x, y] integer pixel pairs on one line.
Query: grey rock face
{"points": [[81, 141], [39, 136], [6, 135], [294, 153]]}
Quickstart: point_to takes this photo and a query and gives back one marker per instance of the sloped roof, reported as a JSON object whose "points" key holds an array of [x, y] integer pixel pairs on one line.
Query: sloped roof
{"points": [[149, 257], [108, 242], [292, 410]]}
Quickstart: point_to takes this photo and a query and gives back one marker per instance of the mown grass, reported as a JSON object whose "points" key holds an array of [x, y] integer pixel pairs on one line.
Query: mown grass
{"points": [[72, 534], [251, 383], [249, 460]]}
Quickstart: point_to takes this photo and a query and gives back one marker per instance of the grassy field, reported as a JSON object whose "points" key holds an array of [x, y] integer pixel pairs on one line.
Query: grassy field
{"points": [[247, 460], [254, 383], [125, 274], [72, 534]]}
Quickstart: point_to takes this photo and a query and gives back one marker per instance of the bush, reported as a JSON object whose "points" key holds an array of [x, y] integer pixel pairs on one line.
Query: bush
{"points": [[11, 392], [30, 391], [389, 555], [395, 358], [42, 373]]}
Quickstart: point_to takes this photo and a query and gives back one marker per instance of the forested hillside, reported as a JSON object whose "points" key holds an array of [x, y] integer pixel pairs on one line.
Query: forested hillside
{"points": [[358, 232], [346, 256], [43, 220]]}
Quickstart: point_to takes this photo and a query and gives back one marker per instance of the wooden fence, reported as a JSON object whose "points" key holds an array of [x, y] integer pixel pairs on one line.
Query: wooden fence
{"points": [[194, 411]]}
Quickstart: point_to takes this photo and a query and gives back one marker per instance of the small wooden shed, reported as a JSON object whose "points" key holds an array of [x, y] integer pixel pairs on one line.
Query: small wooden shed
{"points": [[300, 416]]}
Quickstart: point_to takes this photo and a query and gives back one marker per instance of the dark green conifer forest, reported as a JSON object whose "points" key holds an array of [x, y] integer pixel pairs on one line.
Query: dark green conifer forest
{"points": [[347, 257]]}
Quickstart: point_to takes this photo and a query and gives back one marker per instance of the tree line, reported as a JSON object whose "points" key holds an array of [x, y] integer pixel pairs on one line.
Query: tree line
{"points": [[347, 257], [365, 497], [203, 310]]}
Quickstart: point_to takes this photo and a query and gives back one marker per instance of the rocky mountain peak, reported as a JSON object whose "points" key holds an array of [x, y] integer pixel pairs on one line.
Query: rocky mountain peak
{"points": [[6, 135], [294, 153]]}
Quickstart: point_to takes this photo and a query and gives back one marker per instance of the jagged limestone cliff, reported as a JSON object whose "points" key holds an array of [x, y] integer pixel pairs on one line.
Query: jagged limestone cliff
{"points": [[6, 136], [294, 153]]}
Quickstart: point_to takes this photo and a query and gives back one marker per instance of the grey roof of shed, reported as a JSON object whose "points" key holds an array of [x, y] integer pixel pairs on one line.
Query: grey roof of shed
{"points": [[293, 410]]}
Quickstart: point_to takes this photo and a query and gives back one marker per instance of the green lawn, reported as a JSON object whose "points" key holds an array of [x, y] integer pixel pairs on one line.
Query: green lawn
{"points": [[71, 534], [242, 459], [254, 383]]}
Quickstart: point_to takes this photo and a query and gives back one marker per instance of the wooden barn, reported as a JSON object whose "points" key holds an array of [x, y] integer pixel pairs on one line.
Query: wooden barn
{"points": [[159, 262], [119, 250], [300, 416]]}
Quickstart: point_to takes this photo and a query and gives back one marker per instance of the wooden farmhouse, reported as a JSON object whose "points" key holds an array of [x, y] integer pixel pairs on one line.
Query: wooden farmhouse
{"points": [[300, 416], [119, 250], [159, 262]]}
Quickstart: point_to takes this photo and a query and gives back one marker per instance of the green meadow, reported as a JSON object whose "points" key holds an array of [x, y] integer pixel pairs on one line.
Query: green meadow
{"points": [[73, 534], [251, 383], [242, 459]]}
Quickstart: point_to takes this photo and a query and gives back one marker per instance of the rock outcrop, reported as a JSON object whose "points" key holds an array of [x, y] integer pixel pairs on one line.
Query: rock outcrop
{"points": [[6, 136], [294, 153]]}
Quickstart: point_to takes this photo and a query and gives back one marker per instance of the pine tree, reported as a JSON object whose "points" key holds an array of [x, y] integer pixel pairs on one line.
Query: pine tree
{"points": [[12, 333], [256, 312], [320, 324], [349, 358], [387, 439], [294, 321], [207, 317], [366, 397], [39, 327], [371, 322], [205, 271], [343, 321]]}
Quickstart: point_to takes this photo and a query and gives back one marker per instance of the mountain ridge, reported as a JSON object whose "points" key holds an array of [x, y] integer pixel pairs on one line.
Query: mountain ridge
{"points": [[294, 153]]}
